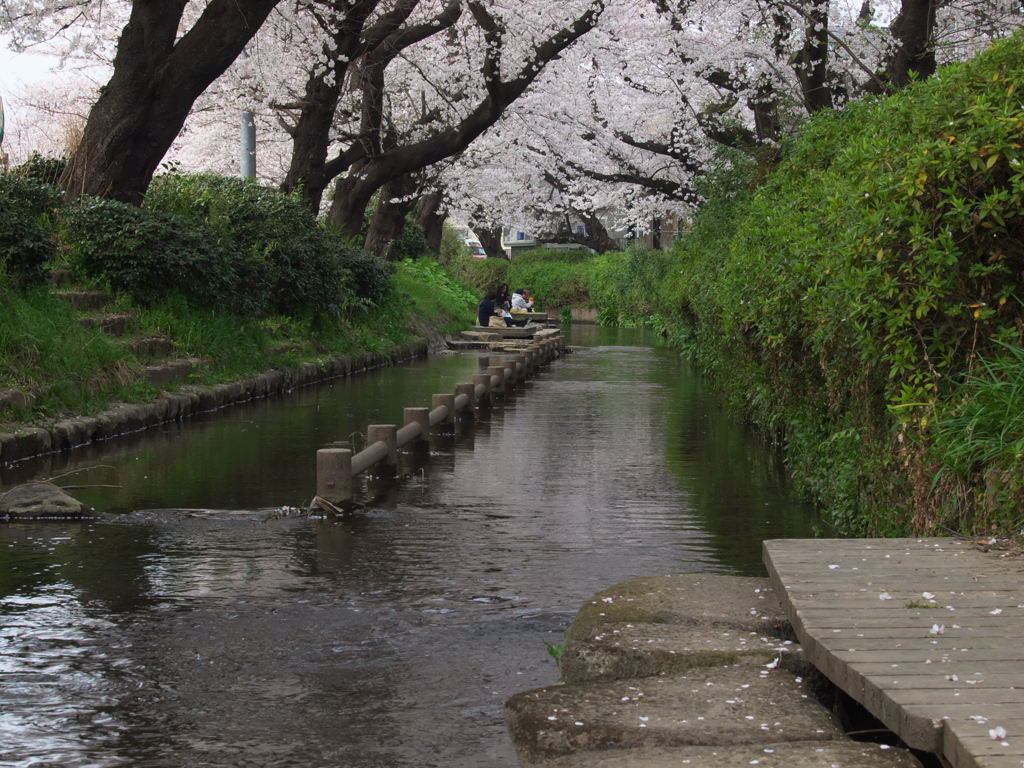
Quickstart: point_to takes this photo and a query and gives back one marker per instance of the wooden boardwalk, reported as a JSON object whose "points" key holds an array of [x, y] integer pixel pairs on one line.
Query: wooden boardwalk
{"points": [[927, 634]]}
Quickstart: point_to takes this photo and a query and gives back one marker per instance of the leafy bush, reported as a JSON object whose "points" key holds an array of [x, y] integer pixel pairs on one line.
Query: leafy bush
{"points": [[624, 285], [279, 239], [436, 293], [43, 170], [26, 236], [453, 248], [481, 274], [411, 243], [557, 278], [369, 278], [151, 255], [555, 255]]}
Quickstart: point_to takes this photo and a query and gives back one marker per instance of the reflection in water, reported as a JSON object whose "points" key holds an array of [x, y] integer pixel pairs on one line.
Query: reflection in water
{"points": [[390, 638]]}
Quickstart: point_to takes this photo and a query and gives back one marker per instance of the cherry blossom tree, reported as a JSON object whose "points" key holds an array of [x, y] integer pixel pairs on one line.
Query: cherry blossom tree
{"points": [[516, 113], [651, 99], [161, 65]]}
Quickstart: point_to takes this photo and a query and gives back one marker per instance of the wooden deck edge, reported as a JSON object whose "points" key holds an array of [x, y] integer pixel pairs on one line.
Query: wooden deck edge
{"points": [[917, 732]]}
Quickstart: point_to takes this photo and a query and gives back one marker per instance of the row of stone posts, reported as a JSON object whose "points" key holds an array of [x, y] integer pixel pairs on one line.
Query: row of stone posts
{"points": [[337, 467]]}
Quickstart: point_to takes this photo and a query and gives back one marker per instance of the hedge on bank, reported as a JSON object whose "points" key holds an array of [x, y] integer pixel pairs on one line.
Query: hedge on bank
{"points": [[847, 302], [217, 242]]}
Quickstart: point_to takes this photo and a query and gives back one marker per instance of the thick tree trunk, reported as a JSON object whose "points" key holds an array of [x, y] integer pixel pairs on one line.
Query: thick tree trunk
{"points": [[655, 236], [765, 107], [156, 80], [388, 221], [431, 218], [597, 236], [352, 195], [490, 239], [811, 65], [311, 136], [310, 171], [913, 28], [354, 192]]}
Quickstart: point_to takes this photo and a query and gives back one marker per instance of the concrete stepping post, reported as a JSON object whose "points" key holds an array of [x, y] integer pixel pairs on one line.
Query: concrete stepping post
{"points": [[385, 433], [483, 380], [334, 475]]}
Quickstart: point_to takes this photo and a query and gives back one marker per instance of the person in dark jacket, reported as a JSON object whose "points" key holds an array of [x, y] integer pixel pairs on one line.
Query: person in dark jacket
{"points": [[485, 310]]}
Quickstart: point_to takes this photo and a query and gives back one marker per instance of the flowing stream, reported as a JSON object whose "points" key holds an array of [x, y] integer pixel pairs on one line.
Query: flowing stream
{"points": [[160, 638]]}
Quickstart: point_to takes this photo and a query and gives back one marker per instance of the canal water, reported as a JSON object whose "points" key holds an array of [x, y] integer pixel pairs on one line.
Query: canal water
{"points": [[196, 623]]}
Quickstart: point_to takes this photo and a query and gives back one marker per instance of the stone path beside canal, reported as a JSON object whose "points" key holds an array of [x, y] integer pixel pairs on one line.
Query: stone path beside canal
{"points": [[927, 634]]}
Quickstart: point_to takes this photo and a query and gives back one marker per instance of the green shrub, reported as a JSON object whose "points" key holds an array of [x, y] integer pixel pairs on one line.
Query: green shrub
{"points": [[867, 274], [278, 238], [151, 255], [481, 274], [43, 170], [625, 285], [26, 231], [556, 278], [411, 243], [369, 278], [453, 248], [436, 293]]}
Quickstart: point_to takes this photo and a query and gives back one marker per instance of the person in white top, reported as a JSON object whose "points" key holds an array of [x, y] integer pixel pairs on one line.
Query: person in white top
{"points": [[521, 300]]}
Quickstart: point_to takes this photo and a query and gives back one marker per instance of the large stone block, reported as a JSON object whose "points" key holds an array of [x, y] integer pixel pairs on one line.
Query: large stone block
{"points": [[657, 624], [481, 336], [728, 706], [33, 441], [39, 500]]}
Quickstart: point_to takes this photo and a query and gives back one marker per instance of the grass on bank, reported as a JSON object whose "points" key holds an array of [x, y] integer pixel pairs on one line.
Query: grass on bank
{"points": [[79, 371], [237, 275]]}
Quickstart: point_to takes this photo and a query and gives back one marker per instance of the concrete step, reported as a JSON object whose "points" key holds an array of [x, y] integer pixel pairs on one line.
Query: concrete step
{"points": [[15, 398], [800, 754], [84, 301], [693, 669], [150, 346], [112, 325], [714, 707], [61, 277], [171, 371]]}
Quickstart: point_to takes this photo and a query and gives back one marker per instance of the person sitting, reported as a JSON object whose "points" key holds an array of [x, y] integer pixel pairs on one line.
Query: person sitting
{"points": [[485, 310], [503, 299], [521, 300]]}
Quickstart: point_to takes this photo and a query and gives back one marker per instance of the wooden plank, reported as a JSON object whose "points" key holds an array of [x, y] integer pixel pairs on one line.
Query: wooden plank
{"points": [[938, 676]]}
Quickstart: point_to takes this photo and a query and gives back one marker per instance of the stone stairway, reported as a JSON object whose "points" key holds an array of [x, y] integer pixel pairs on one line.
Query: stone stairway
{"points": [[159, 365]]}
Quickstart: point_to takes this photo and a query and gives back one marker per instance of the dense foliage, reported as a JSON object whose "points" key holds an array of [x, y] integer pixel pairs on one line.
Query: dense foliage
{"points": [[215, 241], [555, 278], [233, 274], [288, 263], [25, 242]]}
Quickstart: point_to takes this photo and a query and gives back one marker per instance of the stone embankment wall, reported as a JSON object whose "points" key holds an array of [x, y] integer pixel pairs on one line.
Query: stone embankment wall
{"points": [[584, 315], [173, 406]]}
